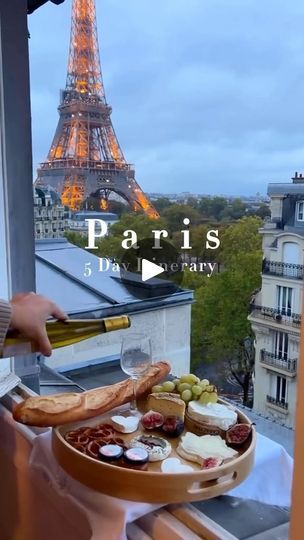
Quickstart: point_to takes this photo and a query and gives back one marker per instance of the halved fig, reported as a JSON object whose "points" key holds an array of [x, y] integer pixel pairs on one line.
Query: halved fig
{"points": [[211, 462], [173, 426], [152, 420], [238, 434]]}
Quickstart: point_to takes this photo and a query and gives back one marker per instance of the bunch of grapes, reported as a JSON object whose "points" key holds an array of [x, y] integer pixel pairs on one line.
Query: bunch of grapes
{"points": [[189, 387]]}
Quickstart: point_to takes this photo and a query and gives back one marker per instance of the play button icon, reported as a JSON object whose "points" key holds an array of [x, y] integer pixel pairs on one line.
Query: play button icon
{"points": [[150, 270]]}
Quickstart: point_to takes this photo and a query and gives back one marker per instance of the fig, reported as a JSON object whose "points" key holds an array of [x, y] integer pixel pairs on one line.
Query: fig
{"points": [[238, 434], [152, 420], [211, 462], [173, 426]]}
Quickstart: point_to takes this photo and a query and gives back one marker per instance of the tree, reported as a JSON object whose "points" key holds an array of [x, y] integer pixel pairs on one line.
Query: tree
{"points": [[240, 237], [175, 214], [110, 246], [263, 211], [76, 238], [220, 315], [212, 207], [162, 203]]}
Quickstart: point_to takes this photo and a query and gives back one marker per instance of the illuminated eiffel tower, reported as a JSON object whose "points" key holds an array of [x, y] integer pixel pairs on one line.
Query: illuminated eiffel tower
{"points": [[85, 158]]}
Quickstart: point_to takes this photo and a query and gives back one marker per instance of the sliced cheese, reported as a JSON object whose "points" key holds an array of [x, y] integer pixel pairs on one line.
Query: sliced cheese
{"points": [[206, 446]]}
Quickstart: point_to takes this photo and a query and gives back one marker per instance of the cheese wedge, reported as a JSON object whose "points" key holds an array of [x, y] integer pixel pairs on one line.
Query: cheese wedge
{"points": [[167, 404]]}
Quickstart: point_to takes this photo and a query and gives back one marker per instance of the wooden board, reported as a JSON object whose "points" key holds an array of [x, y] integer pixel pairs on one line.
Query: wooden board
{"points": [[151, 486]]}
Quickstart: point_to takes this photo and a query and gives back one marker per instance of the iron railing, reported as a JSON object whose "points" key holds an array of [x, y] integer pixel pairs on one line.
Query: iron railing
{"points": [[271, 359], [84, 164], [283, 316], [279, 402], [289, 270]]}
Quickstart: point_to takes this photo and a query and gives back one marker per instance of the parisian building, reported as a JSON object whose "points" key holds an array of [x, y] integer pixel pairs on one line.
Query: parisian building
{"points": [[48, 214], [276, 308], [77, 221]]}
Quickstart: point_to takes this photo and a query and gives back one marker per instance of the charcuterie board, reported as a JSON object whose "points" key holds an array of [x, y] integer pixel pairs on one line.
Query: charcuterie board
{"points": [[152, 485]]}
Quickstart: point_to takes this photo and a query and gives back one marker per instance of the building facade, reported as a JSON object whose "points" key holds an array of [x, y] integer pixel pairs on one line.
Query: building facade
{"points": [[48, 214], [78, 220], [276, 309]]}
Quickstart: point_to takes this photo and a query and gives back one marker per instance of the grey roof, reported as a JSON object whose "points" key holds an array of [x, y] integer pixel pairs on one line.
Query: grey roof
{"points": [[60, 274], [86, 214], [285, 189]]}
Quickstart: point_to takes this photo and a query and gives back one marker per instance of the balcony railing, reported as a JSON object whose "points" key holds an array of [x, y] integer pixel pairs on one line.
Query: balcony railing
{"points": [[278, 402], [275, 315], [289, 365], [293, 271]]}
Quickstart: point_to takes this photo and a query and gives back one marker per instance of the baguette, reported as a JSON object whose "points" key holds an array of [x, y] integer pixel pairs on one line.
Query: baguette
{"points": [[58, 409]]}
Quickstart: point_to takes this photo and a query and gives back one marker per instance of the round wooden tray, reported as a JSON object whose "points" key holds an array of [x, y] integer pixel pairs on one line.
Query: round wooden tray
{"points": [[152, 486]]}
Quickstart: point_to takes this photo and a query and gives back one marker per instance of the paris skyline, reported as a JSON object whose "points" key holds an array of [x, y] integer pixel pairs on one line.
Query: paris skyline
{"points": [[206, 97]]}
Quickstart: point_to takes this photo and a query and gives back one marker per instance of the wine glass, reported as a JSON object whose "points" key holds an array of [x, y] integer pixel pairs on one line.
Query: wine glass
{"points": [[135, 360]]}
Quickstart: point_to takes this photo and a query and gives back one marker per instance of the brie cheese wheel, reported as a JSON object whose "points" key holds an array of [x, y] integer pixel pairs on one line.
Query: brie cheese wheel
{"points": [[213, 414], [125, 424], [206, 446], [157, 447]]}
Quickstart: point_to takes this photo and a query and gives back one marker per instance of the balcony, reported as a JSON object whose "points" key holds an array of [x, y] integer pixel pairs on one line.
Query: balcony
{"points": [[277, 402], [286, 365], [282, 269], [277, 316]]}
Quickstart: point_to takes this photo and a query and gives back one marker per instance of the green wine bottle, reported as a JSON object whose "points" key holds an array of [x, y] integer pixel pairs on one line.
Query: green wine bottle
{"points": [[63, 333]]}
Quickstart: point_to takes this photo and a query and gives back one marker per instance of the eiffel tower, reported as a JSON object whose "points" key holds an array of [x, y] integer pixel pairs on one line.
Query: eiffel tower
{"points": [[85, 158]]}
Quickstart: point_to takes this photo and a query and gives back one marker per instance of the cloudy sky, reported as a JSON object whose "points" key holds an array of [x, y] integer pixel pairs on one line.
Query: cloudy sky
{"points": [[207, 95]]}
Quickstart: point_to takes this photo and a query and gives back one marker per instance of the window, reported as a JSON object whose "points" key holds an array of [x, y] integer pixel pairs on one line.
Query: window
{"points": [[281, 389], [300, 211], [284, 296], [281, 345]]}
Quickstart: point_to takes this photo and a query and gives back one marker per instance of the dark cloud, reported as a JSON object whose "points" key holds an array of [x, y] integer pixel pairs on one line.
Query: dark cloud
{"points": [[207, 95]]}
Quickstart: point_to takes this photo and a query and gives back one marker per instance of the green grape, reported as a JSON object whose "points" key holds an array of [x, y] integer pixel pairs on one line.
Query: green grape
{"points": [[183, 386], [186, 395], [196, 389], [157, 388], [204, 382], [190, 378], [176, 382], [210, 388], [204, 398], [212, 397], [168, 386], [195, 397]]}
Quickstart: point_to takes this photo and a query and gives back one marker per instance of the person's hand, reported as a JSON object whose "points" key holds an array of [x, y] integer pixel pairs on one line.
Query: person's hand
{"points": [[29, 314]]}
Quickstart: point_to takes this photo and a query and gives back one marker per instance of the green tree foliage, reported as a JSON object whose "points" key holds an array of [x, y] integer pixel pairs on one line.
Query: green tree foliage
{"points": [[219, 317], [175, 214], [162, 203], [77, 239], [110, 246], [263, 211], [240, 237], [212, 207]]}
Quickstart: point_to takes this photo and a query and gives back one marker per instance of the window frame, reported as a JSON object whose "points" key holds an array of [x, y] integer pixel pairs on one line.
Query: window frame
{"points": [[16, 158], [300, 204], [285, 297]]}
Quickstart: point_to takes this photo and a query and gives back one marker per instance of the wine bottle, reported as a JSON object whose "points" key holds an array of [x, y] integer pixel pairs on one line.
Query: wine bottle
{"points": [[63, 333]]}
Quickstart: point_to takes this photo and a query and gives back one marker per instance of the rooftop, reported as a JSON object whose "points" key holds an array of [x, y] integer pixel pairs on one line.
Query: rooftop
{"points": [[60, 267], [90, 214]]}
